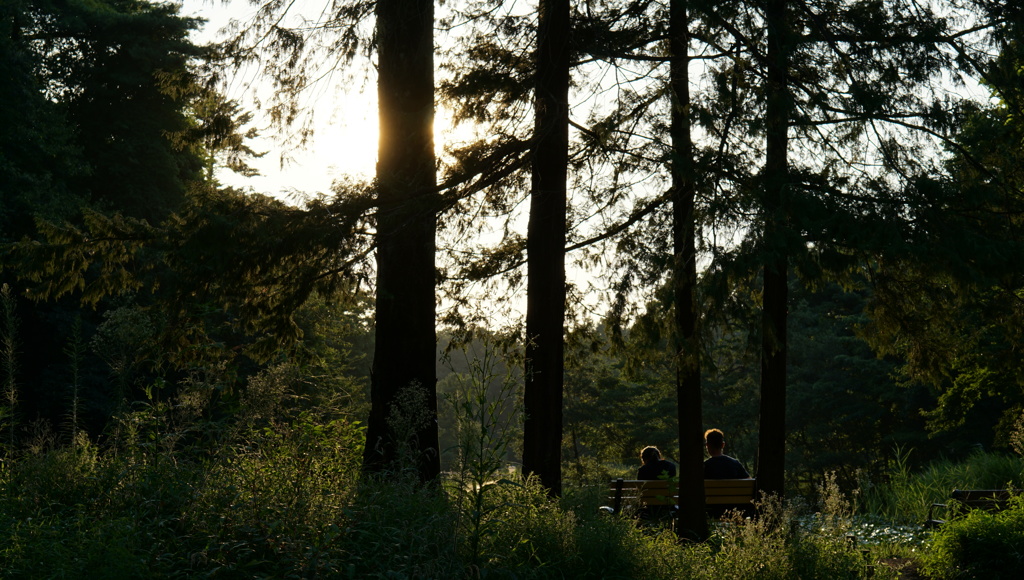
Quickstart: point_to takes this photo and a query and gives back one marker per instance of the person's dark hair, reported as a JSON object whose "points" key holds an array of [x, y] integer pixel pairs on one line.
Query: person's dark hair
{"points": [[649, 454], [714, 438]]}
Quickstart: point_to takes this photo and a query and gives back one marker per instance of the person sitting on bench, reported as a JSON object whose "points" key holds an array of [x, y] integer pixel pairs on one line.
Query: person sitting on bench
{"points": [[720, 465], [654, 466]]}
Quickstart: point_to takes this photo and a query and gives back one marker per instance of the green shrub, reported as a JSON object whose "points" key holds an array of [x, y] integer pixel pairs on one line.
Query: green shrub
{"points": [[72, 547], [816, 556], [979, 545], [277, 492], [73, 512], [275, 499], [395, 527], [287, 501], [611, 547]]}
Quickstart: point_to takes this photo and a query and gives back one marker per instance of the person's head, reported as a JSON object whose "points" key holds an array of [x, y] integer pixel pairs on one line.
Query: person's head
{"points": [[650, 454], [715, 441]]}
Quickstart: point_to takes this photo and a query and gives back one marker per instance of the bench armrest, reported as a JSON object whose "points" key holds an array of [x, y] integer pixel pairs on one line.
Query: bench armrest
{"points": [[931, 522]]}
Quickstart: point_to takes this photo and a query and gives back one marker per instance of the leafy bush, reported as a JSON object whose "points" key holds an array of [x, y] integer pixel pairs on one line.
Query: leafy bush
{"points": [[275, 499], [287, 500], [396, 527], [72, 512], [275, 490], [979, 545]]}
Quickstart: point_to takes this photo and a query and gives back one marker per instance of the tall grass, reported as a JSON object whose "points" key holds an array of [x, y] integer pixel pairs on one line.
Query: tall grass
{"points": [[906, 496], [277, 492], [284, 497], [288, 501]]}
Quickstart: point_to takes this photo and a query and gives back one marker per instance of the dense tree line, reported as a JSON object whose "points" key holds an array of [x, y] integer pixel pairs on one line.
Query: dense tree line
{"points": [[139, 263], [95, 100]]}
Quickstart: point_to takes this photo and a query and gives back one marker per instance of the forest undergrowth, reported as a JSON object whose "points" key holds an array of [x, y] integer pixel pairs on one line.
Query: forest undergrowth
{"points": [[269, 484], [285, 498]]}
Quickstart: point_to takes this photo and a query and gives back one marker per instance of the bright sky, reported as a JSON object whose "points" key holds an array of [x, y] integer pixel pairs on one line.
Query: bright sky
{"points": [[345, 139], [345, 122]]}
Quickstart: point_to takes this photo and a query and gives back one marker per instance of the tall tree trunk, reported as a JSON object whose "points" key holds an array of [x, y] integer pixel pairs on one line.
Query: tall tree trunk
{"points": [[545, 247], [771, 453], [692, 521], [403, 400]]}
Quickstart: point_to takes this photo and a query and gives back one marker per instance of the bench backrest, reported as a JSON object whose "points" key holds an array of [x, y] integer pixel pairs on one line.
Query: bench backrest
{"points": [[984, 498], [729, 491], [656, 492]]}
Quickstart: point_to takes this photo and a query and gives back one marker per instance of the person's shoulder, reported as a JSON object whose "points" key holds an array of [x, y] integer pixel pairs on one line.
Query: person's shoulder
{"points": [[724, 467], [741, 472]]}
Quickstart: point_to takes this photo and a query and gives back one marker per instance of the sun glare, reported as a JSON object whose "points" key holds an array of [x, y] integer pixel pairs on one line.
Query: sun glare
{"points": [[345, 128]]}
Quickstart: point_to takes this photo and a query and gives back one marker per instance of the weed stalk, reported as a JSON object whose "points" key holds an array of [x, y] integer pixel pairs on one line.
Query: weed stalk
{"points": [[8, 360]]}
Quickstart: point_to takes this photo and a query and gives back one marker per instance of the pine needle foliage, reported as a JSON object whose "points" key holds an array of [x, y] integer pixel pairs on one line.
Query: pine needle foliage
{"points": [[254, 259]]}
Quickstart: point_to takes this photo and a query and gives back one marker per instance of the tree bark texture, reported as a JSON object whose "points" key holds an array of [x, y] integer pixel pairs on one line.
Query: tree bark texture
{"points": [[545, 246], [403, 401], [772, 436], [692, 522]]}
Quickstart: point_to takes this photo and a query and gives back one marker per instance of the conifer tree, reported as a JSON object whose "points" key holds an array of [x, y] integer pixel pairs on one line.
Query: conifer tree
{"points": [[774, 297], [104, 112], [295, 50], [852, 87], [545, 308], [948, 302], [404, 352], [692, 521]]}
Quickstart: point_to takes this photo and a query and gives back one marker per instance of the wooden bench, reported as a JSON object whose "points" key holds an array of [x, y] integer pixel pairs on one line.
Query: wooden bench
{"points": [[720, 495], [962, 501]]}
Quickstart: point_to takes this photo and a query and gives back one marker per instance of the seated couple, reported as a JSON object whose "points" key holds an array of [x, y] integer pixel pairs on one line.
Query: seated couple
{"points": [[717, 466]]}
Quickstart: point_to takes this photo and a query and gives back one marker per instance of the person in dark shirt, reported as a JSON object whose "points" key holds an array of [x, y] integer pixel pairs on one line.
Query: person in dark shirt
{"points": [[720, 465], [653, 465]]}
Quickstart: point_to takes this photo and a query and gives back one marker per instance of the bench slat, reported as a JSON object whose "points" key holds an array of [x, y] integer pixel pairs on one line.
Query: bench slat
{"points": [[729, 483], [717, 492], [983, 495], [963, 500], [725, 499]]}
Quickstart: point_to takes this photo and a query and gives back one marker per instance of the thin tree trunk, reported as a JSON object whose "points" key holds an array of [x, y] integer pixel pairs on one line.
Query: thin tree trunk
{"points": [[772, 438], [403, 380], [692, 520], [545, 246]]}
